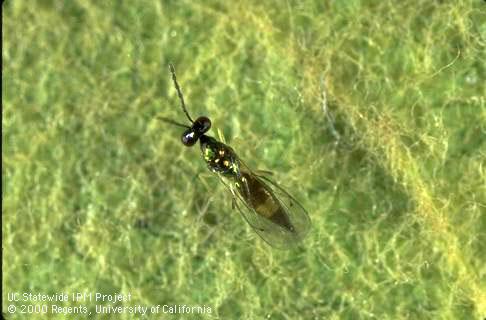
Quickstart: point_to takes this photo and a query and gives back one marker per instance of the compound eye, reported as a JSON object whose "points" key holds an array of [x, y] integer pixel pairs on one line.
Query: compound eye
{"points": [[202, 125], [189, 137]]}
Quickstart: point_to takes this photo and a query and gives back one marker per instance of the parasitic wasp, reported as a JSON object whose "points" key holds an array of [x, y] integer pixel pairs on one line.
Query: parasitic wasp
{"points": [[271, 211]]}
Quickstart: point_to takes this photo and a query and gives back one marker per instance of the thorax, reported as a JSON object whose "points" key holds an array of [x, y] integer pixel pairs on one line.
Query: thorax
{"points": [[219, 157]]}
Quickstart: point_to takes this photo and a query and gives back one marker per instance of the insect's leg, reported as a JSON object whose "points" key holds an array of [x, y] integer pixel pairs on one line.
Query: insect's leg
{"points": [[238, 141], [226, 184], [242, 180], [202, 176], [263, 173], [221, 136], [203, 208], [234, 205]]}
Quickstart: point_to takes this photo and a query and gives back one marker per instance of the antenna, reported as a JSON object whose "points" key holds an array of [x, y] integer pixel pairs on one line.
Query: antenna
{"points": [[179, 92], [173, 122]]}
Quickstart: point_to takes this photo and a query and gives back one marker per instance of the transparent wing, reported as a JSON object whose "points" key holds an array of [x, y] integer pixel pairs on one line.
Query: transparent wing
{"points": [[296, 212], [280, 220]]}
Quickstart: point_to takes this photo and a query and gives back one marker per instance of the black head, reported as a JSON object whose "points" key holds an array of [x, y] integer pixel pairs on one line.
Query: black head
{"points": [[198, 128]]}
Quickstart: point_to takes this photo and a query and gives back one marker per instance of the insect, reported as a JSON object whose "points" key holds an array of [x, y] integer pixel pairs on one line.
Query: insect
{"points": [[271, 211]]}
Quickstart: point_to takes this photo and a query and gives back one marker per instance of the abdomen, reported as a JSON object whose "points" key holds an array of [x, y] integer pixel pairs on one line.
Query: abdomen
{"points": [[259, 197]]}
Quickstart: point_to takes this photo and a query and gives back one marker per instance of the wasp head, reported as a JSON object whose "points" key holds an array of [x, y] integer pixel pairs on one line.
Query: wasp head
{"points": [[198, 128]]}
